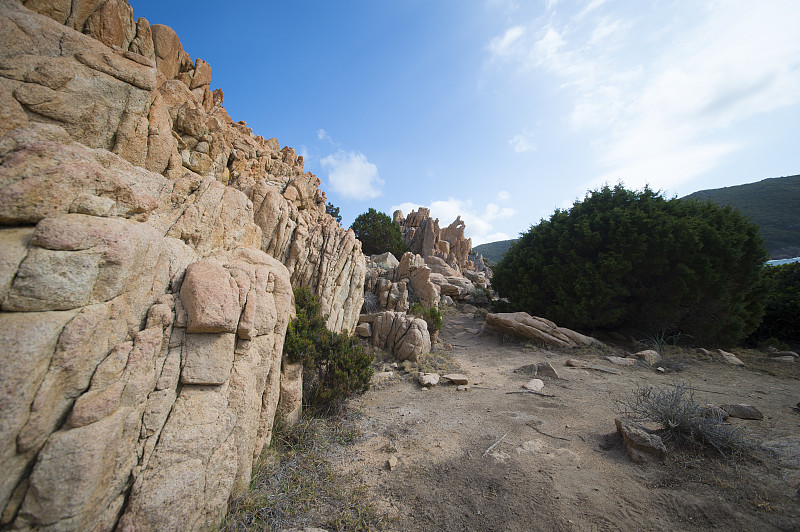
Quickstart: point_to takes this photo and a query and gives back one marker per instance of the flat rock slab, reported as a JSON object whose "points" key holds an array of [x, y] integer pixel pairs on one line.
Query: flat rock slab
{"points": [[743, 411], [575, 363], [729, 358], [456, 378]]}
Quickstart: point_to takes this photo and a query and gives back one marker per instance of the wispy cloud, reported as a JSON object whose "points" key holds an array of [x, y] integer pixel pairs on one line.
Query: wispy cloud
{"points": [[323, 135], [352, 176], [522, 142], [667, 118]]}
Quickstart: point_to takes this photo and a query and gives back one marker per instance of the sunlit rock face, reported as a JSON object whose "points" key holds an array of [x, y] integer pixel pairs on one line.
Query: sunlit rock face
{"points": [[149, 249]]}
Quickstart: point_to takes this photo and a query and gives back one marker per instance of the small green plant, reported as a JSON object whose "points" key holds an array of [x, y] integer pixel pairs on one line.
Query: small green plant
{"points": [[431, 315], [334, 365], [683, 420]]}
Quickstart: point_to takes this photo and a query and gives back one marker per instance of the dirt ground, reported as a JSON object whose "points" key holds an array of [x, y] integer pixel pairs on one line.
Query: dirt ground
{"points": [[559, 463]]}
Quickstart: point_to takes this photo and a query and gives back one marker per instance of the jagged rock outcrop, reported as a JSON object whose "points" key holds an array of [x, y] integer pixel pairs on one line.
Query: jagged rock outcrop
{"points": [[134, 91], [425, 238], [150, 245], [395, 283]]}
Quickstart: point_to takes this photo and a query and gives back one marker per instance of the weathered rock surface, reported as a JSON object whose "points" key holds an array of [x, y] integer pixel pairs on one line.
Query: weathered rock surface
{"points": [[729, 358], [743, 411], [150, 245], [404, 336], [640, 444], [651, 357], [525, 326], [394, 282]]}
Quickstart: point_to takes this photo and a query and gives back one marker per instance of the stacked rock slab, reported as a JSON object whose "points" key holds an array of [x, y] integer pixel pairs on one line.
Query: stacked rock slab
{"points": [[149, 247]]}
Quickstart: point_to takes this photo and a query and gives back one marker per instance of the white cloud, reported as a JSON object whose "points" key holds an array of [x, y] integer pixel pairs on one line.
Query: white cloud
{"points": [[522, 142], [478, 224], [323, 135], [504, 45], [503, 195], [351, 175], [660, 91]]}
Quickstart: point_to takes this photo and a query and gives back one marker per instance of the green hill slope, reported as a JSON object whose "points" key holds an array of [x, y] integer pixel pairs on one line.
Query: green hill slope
{"points": [[493, 251], [773, 204]]}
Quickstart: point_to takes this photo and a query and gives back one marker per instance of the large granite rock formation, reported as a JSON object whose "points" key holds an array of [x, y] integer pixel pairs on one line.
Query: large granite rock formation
{"points": [[149, 246], [425, 238]]}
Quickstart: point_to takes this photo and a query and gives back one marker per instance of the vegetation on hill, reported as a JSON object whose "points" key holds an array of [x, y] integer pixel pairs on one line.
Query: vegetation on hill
{"points": [[493, 251], [782, 311], [772, 204], [379, 234], [622, 259]]}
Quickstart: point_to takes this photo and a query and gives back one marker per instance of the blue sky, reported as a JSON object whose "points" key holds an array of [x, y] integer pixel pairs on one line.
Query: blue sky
{"points": [[504, 110]]}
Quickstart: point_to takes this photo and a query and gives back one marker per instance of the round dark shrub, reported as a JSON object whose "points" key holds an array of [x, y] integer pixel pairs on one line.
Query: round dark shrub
{"points": [[378, 234], [624, 259]]}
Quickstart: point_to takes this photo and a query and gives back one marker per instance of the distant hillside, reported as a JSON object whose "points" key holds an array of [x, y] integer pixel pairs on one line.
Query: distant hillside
{"points": [[773, 204], [493, 251]]}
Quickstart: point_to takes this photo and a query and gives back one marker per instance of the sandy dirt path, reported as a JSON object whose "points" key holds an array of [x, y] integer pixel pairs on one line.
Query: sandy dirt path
{"points": [[560, 464]]}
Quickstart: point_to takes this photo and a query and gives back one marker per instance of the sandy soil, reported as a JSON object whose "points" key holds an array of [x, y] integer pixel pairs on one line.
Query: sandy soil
{"points": [[560, 464]]}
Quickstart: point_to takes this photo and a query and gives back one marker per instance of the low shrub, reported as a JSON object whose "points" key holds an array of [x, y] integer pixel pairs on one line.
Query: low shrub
{"points": [[294, 484], [480, 297], [431, 315], [334, 365], [683, 420]]}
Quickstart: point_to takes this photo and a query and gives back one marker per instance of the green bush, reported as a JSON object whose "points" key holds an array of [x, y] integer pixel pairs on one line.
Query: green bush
{"points": [[379, 234], [623, 259], [431, 315], [334, 365], [782, 310]]}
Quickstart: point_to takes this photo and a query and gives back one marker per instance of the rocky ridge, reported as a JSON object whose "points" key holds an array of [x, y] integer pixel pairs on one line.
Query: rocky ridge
{"points": [[150, 245]]}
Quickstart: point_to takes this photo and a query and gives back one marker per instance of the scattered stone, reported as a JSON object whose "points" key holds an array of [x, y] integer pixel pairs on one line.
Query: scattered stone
{"points": [[730, 358], [382, 376], [391, 463], [456, 378], [743, 411], [640, 444], [428, 379], [545, 369], [789, 359], [535, 385], [470, 309], [364, 330], [473, 330], [621, 361], [712, 410], [575, 363], [462, 388], [649, 356]]}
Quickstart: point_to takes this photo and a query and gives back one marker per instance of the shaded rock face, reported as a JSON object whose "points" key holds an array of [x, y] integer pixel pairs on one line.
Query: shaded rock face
{"points": [[425, 238], [405, 336], [150, 246]]}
